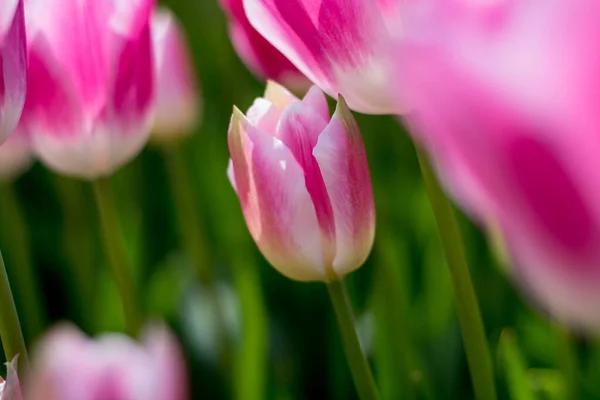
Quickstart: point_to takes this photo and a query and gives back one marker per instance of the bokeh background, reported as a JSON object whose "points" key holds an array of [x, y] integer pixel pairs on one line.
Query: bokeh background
{"points": [[275, 338]]}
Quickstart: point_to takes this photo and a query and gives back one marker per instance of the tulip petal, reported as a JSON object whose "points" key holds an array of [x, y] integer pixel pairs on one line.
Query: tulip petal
{"points": [[13, 67], [177, 112], [316, 99], [8, 8], [167, 356], [77, 30], [279, 95], [12, 387], [342, 160], [264, 115], [275, 202], [15, 155], [340, 45], [133, 83], [299, 130]]}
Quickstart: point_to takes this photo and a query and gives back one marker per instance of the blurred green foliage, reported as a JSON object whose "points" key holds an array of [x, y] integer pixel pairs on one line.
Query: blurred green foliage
{"points": [[402, 296]]}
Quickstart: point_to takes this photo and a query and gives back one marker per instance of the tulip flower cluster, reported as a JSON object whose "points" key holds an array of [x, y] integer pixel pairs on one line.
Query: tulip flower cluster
{"points": [[501, 96], [82, 84]]}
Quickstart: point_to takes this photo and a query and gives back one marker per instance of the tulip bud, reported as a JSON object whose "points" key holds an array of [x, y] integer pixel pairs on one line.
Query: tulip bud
{"points": [[13, 65], [15, 155], [264, 60], [303, 182], [90, 105], [506, 98], [70, 366], [11, 388], [177, 102], [342, 46]]}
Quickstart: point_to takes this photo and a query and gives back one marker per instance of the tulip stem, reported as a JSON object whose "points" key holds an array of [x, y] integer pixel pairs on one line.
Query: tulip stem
{"points": [[16, 232], [114, 245], [469, 315], [10, 327], [359, 366], [78, 246], [193, 237]]}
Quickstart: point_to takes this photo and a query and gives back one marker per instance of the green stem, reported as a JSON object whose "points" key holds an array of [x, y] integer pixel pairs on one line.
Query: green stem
{"points": [[193, 237], [26, 284], [10, 327], [406, 377], [567, 355], [359, 366], [469, 315], [78, 245], [112, 236], [251, 364], [186, 212]]}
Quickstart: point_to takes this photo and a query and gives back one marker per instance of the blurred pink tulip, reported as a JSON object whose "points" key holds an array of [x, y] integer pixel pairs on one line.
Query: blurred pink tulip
{"points": [[15, 155], [303, 183], [342, 46], [258, 54], [11, 388], [71, 366], [177, 102], [13, 65], [506, 97], [89, 107]]}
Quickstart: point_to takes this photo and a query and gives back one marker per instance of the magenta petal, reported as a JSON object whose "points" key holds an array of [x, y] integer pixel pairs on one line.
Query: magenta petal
{"points": [[275, 202], [343, 46], [133, 83], [13, 66], [342, 160]]}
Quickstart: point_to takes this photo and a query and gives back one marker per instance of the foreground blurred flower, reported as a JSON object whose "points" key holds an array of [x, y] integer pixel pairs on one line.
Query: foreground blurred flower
{"points": [[258, 54], [11, 388], [303, 184], [91, 84], [15, 156], [342, 46], [177, 102], [507, 97], [13, 64], [71, 366]]}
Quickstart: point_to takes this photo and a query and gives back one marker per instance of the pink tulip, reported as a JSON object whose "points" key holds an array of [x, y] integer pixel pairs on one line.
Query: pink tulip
{"points": [[13, 65], [259, 55], [90, 102], [15, 155], [71, 366], [507, 97], [11, 388], [342, 46], [303, 183], [177, 102]]}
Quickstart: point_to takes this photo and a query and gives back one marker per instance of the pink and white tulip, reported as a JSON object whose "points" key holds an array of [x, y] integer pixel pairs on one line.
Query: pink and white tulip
{"points": [[342, 46], [506, 97], [71, 366], [303, 183], [10, 389], [89, 107], [177, 101], [264, 60], [13, 65], [15, 155]]}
